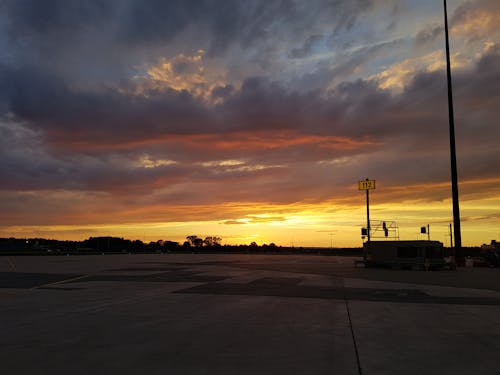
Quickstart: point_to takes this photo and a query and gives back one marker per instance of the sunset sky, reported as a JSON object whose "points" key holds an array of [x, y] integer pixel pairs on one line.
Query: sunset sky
{"points": [[250, 120]]}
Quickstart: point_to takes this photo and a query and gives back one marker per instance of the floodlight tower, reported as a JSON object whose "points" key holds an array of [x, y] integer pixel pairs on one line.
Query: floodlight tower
{"points": [[453, 156]]}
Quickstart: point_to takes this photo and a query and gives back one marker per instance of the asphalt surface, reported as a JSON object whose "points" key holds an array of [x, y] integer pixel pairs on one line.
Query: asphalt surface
{"points": [[243, 314]]}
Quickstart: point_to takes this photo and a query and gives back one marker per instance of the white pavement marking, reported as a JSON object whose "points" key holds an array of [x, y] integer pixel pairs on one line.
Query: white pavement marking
{"points": [[59, 282], [129, 300]]}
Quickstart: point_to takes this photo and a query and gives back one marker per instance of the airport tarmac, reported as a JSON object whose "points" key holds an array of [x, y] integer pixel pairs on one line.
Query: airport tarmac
{"points": [[243, 314]]}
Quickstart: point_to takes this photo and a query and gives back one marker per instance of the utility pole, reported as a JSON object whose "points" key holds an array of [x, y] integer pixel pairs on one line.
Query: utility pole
{"points": [[368, 213], [367, 185], [331, 240], [453, 156]]}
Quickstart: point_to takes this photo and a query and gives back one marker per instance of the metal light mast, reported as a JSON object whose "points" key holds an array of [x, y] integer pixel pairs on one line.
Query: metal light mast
{"points": [[453, 156]]}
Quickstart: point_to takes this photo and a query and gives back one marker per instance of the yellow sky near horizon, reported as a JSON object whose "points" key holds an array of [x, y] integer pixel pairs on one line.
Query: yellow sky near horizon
{"points": [[307, 225]]}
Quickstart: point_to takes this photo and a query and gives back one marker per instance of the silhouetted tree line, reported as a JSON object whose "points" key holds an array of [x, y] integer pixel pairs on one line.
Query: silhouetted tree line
{"points": [[197, 242], [108, 244], [192, 244]]}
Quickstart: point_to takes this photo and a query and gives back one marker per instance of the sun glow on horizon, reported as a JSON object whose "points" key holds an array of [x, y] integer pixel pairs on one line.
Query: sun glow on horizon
{"points": [[306, 225]]}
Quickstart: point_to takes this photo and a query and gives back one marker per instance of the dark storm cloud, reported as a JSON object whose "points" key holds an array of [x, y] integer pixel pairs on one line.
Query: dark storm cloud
{"points": [[49, 113], [252, 22], [95, 43], [45, 101], [307, 47], [345, 64], [263, 104], [430, 33], [135, 22], [49, 17], [65, 58], [222, 92], [157, 20], [353, 109], [27, 164]]}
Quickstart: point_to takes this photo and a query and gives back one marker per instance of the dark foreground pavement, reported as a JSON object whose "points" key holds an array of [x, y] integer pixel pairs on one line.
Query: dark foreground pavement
{"points": [[243, 314]]}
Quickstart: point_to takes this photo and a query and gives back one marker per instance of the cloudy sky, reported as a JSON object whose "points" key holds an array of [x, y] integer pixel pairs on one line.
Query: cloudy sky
{"points": [[251, 120]]}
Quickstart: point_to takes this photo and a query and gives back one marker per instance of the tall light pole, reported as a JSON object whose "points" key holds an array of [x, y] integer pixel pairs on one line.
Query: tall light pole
{"points": [[453, 156]]}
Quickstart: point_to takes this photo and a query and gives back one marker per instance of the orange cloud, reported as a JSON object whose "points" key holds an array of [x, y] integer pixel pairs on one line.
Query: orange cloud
{"points": [[480, 22], [399, 75], [181, 72], [241, 140]]}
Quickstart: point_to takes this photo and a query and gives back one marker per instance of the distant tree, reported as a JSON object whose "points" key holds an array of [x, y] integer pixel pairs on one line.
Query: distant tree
{"points": [[254, 244], [137, 245], [107, 244], [170, 245], [192, 240], [195, 241], [212, 241], [151, 246]]}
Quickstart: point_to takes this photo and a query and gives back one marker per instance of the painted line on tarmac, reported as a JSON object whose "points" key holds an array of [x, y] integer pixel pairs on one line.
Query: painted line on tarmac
{"points": [[100, 307], [60, 282]]}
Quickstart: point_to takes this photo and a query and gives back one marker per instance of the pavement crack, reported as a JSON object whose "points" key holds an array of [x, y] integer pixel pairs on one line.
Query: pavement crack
{"points": [[356, 352]]}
